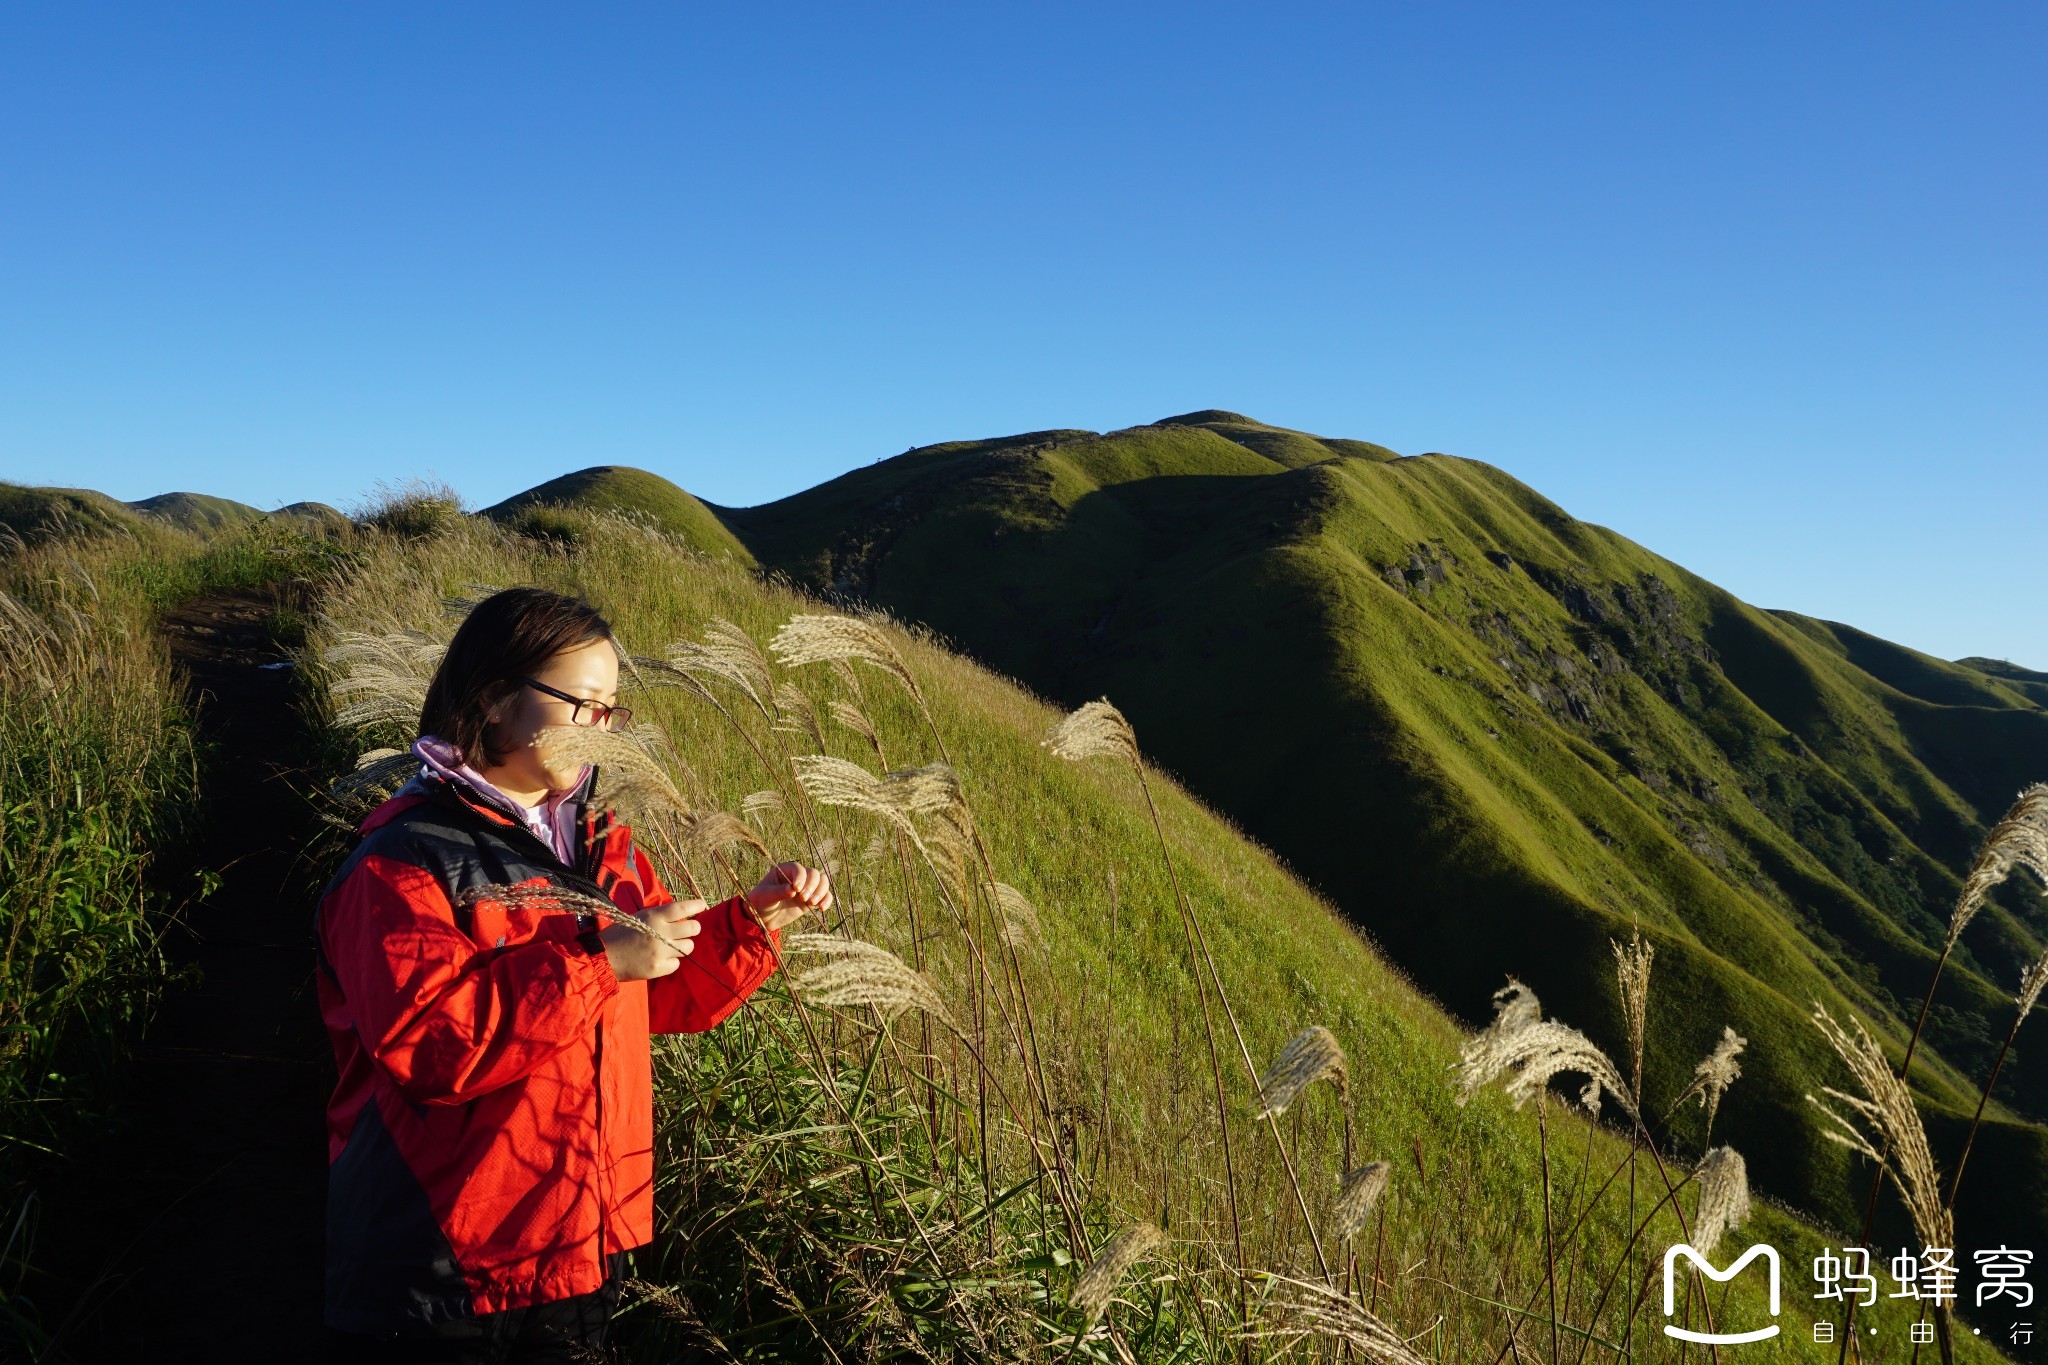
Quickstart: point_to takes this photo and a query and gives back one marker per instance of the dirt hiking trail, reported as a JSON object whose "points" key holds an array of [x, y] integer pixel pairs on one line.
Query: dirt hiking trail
{"points": [[192, 1229]]}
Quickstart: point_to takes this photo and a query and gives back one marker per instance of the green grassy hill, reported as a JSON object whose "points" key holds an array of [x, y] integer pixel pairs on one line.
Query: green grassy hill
{"points": [[2025, 680], [198, 511], [37, 513], [1497, 736], [615, 488], [40, 513]]}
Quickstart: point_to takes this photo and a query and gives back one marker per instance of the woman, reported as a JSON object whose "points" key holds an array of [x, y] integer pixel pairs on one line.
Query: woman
{"points": [[490, 1142]]}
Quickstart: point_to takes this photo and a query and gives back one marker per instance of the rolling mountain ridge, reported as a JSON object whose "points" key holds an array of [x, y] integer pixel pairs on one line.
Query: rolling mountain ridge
{"points": [[1500, 737]]}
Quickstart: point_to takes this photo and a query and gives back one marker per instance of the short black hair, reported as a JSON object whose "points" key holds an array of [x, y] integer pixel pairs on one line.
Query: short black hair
{"points": [[507, 636]]}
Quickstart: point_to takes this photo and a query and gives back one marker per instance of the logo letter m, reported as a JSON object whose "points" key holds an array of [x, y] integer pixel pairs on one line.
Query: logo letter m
{"points": [[1671, 1255]]}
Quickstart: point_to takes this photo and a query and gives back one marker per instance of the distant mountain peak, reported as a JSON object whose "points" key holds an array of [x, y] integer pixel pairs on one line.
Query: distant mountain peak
{"points": [[1208, 417]]}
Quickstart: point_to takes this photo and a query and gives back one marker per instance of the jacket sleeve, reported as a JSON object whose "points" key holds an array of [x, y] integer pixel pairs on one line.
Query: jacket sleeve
{"points": [[732, 957], [446, 1020]]}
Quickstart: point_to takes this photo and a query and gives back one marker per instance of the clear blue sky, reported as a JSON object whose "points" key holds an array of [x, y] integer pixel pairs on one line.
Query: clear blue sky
{"points": [[1759, 285]]}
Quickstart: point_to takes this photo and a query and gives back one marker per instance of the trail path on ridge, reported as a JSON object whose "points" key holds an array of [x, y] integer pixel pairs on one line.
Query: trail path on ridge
{"points": [[193, 1229]]}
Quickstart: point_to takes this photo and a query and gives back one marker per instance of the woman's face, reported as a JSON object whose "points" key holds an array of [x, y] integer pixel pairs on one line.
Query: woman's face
{"points": [[590, 670]]}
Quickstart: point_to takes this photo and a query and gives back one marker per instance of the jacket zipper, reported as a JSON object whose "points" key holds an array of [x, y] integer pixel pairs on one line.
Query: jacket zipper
{"points": [[582, 854]]}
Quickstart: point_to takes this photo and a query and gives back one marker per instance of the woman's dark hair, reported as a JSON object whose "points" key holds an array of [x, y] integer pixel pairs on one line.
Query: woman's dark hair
{"points": [[507, 636]]}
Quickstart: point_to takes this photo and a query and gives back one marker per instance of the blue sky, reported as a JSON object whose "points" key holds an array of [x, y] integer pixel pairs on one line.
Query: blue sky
{"points": [[1760, 286]]}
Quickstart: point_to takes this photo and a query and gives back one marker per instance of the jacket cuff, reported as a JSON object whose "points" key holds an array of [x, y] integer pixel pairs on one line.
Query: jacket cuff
{"points": [[590, 967], [747, 929]]}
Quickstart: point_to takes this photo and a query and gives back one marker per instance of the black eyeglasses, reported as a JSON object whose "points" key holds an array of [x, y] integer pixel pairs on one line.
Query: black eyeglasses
{"points": [[588, 711]]}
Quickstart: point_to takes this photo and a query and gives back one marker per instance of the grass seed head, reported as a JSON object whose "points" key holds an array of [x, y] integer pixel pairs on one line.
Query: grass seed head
{"points": [[1718, 1070], [1632, 977], [1724, 1195], [1311, 1055], [854, 719], [1886, 1106], [1358, 1194], [2031, 984], [1096, 1285], [1305, 1308], [1096, 729], [856, 973], [2018, 840], [812, 638]]}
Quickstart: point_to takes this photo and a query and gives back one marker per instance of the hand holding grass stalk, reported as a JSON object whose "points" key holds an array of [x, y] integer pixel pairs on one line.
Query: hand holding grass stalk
{"points": [[657, 942], [787, 891]]}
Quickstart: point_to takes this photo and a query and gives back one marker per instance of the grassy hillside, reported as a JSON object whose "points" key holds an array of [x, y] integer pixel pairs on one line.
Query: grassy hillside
{"points": [[788, 1231], [34, 513], [2026, 680], [39, 513], [614, 488], [1498, 737], [200, 512]]}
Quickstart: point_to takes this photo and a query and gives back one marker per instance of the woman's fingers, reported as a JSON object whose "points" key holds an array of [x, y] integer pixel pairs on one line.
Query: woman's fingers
{"points": [[809, 888], [810, 884]]}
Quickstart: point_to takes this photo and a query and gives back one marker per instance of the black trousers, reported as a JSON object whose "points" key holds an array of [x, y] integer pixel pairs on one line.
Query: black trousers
{"points": [[565, 1330]]}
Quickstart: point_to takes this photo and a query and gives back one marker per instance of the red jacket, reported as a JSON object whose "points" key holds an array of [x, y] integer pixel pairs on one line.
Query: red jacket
{"points": [[490, 1142]]}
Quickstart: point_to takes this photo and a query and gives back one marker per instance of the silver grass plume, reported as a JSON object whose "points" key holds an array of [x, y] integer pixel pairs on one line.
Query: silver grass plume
{"points": [[711, 832], [559, 900], [843, 671], [1019, 917], [1096, 729], [1530, 1051], [2031, 984], [796, 714], [661, 673], [1632, 978], [930, 790], [814, 638], [1306, 1308], [834, 781], [754, 803], [1096, 1285], [877, 848], [26, 644], [1724, 1196], [1358, 1194], [2018, 840], [381, 677], [726, 654], [1716, 1072], [896, 797], [1514, 1006], [378, 774], [857, 973], [1886, 1105], [854, 719], [1310, 1056]]}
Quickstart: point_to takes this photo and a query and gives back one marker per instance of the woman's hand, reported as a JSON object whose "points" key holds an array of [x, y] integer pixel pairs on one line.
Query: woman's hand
{"points": [[642, 955], [787, 891]]}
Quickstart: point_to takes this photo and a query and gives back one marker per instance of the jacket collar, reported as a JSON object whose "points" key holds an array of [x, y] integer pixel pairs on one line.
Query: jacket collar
{"points": [[463, 781]]}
